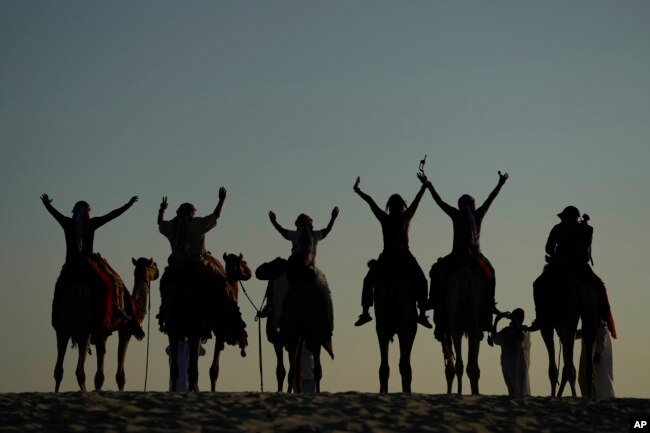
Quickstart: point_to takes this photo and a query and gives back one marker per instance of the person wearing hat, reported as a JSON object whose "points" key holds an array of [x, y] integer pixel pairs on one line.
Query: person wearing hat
{"points": [[568, 250]]}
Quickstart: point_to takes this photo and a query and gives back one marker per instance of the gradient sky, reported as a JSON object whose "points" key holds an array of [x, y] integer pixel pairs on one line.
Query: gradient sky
{"points": [[284, 103]]}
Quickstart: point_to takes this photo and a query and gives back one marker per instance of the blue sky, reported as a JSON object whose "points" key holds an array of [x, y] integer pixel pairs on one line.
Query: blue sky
{"points": [[284, 103]]}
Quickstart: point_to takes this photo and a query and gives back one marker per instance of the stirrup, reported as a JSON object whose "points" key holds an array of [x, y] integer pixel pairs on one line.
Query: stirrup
{"points": [[363, 319]]}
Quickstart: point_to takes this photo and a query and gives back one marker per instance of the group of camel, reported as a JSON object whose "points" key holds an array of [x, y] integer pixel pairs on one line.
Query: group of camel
{"points": [[395, 310]]}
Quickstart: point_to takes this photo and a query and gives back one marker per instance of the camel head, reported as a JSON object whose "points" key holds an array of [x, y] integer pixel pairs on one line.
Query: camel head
{"points": [[236, 267], [145, 269]]}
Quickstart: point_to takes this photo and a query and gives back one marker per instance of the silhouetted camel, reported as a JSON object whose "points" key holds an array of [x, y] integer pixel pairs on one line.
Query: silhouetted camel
{"points": [[464, 311], [75, 320], [278, 285], [575, 300], [191, 311], [146, 270], [396, 314], [227, 325]]}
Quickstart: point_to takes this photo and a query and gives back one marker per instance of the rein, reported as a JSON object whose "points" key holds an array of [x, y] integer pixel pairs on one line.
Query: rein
{"points": [[146, 368], [259, 329]]}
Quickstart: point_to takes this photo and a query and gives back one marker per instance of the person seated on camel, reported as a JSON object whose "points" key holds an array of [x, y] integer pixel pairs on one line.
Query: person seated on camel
{"points": [[82, 265], [466, 220], [568, 252], [304, 241], [395, 224], [186, 235]]}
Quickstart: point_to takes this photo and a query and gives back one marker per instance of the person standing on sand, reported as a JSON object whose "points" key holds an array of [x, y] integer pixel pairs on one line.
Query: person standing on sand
{"points": [[514, 340]]}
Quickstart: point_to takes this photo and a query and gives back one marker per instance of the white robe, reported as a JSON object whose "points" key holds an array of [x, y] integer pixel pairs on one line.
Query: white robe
{"points": [[603, 370], [515, 359]]}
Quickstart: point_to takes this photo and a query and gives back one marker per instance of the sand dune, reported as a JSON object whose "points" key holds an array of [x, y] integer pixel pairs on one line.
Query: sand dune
{"points": [[108, 411]]}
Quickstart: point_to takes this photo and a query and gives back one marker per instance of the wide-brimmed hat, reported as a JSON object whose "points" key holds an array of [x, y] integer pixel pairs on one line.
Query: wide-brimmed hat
{"points": [[569, 212]]}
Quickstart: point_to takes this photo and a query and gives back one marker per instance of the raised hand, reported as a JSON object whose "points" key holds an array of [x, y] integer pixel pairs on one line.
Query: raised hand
{"points": [[423, 179], [335, 212], [163, 203], [46, 199], [133, 200], [272, 216], [222, 193], [356, 184], [503, 177]]}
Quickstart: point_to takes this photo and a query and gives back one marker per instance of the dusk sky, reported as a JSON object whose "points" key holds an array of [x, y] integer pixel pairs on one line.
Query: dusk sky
{"points": [[285, 103]]}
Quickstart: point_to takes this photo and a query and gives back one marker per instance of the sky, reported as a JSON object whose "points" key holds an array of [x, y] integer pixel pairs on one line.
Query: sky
{"points": [[285, 103]]}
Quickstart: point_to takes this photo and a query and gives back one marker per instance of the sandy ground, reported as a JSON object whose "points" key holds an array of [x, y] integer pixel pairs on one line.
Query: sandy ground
{"points": [[109, 411]]}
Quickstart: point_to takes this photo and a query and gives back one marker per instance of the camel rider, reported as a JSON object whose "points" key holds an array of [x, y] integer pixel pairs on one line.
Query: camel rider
{"points": [[395, 224], [186, 235], [568, 252], [82, 265], [304, 241], [467, 220]]}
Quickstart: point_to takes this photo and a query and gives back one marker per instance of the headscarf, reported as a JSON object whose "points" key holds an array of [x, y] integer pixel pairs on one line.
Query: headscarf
{"points": [[305, 240], [80, 217], [182, 228], [467, 206]]}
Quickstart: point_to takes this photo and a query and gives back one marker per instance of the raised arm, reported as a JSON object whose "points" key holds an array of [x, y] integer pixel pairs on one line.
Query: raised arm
{"points": [[326, 230], [436, 197], [274, 220], [502, 180], [47, 201], [416, 201], [161, 210], [373, 206], [100, 221], [222, 198]]}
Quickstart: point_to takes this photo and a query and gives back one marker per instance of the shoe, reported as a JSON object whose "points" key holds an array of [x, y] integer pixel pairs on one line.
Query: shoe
{"points": [[424, 321], [363, 319]]}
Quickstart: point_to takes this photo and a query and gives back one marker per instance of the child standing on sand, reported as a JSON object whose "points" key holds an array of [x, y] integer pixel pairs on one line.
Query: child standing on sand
{"points": [[514, 340]]}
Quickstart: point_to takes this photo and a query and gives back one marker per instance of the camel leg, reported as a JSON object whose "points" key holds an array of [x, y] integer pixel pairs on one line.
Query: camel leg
{"points": [[61, 347], [569, 370], [291, 377], [173, 362], [384, 368], [280, 371], [193, 368], [82, 346], [473, 371], [405, 347], [549, 341], [318, 369], [449, 360], [457, 339], [297, 360], [100, 351], [122, 346], [214, 368]]}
